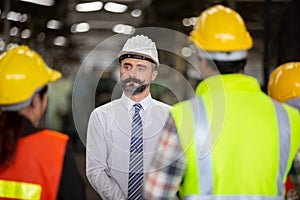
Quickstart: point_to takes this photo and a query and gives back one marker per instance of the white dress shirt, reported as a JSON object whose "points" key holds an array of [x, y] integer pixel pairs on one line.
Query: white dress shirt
{"points": [[108, 143]]}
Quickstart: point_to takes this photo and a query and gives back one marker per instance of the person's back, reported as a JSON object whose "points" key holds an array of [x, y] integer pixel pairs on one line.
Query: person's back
{"points": [[34, 163], [30, 170], [244, 129], [231, 141]]}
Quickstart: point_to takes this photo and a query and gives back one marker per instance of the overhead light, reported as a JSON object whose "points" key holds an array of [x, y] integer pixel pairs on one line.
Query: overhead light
{"points": [[14, 31], [80, 28], [11, 46], [194, 20], [2, 45], [23, 18], [54, 24], [186, 22], [124, 29], [89, 6], [41, 2], [13, 16], [127, 1], [115, 7], [26, 33], [16, 16], [186, 52], [189, 21], [60, 41], [136, 13]]}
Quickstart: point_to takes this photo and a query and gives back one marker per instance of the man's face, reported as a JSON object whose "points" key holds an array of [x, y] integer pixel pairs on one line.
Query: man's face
{"points": [[136, 74]]}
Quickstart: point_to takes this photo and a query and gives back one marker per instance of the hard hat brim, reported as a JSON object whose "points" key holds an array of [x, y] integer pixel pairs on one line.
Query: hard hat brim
{"points": [[53, 74], [122, 53]]}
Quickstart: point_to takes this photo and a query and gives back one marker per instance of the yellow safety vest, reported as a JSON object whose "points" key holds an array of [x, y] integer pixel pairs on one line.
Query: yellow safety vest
{"points": [[230, 153]]}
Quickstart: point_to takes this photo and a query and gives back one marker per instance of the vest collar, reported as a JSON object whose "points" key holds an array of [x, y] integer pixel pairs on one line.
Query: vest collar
{"points": [[228, 83]]}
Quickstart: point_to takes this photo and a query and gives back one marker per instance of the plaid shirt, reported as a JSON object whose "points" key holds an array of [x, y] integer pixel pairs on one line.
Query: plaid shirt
{"points": [[168, 166], [295, 174]]}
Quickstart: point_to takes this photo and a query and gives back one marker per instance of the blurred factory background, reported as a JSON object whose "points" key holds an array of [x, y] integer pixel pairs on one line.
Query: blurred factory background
{"points": [[71, 34]]}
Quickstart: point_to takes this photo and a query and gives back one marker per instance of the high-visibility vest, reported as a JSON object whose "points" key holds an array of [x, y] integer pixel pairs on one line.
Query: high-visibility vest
{"points": [[36, 170], [231, 154]]}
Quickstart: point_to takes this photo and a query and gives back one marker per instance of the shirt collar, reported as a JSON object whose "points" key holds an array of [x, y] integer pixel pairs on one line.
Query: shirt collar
{"points": [[128, 103]]}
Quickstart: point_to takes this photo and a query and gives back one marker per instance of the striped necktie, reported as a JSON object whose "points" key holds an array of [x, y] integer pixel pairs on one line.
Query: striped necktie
{"points": [[136, 174]]}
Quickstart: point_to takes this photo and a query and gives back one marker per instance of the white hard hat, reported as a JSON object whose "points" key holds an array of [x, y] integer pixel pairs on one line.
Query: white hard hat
{"points": [[140, 47]]}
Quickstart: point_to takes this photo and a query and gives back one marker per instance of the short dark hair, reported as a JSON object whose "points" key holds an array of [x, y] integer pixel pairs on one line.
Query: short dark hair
{"points": [[228, 67], [43, 91]]}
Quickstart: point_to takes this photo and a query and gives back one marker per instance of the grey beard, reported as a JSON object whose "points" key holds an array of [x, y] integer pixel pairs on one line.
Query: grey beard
{"points": [[133, 90]]}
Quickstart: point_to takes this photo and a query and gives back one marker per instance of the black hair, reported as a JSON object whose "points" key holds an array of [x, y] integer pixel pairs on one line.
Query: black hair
{"points": [[228, 67], [43, 91], [11, 126]]}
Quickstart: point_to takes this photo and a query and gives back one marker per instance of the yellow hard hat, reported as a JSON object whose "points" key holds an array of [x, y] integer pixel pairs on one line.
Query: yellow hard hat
{"points": [[221, 29], [284, 82], [22, 73]]}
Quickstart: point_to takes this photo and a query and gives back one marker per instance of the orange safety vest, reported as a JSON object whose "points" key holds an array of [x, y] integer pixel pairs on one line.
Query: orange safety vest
{"points": [[36, 171]]}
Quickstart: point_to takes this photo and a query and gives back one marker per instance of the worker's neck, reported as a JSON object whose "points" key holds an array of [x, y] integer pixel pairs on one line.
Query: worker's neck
{"points": [[241, 71], [31, 115]]}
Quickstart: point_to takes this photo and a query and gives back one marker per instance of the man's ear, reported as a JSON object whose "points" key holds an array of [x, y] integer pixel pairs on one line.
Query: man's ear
{"points": [[154, 74], [35, 101]]}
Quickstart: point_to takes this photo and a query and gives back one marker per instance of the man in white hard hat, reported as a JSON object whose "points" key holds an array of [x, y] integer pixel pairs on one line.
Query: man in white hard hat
{"points": [[122, 135]]}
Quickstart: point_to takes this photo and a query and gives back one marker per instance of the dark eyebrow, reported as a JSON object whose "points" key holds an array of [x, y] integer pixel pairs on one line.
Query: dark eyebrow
{"points": [[141, 65], [138, 65], [126, 63]]}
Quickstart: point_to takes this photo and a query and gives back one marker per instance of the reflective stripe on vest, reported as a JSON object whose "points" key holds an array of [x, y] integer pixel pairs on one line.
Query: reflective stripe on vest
{"points": [[203, 142], [43, 155], [284, 138], [20, 190]]}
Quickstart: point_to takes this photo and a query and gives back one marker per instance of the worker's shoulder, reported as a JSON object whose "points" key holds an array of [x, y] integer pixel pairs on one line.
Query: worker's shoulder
{"points": [[182, 103], [47, 135], [292, 112]]}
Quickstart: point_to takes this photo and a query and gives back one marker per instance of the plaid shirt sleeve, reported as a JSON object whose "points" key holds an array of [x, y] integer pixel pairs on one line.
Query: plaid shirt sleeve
{"points": [[295, 172], [168, 166]]}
